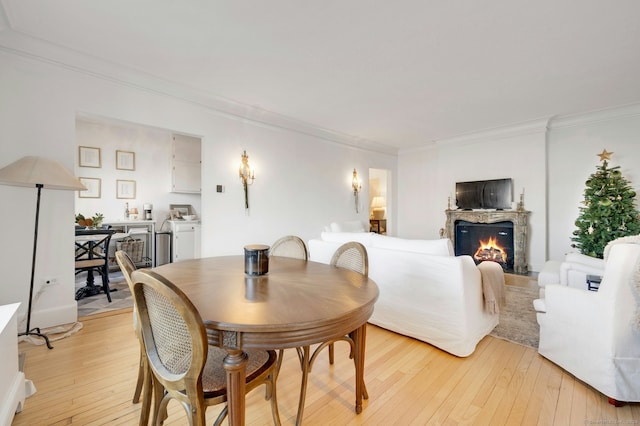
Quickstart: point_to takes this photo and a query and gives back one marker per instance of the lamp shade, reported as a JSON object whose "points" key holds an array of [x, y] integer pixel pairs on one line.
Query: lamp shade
{"points": [[32, 171], [378, 202], [378, 207]]}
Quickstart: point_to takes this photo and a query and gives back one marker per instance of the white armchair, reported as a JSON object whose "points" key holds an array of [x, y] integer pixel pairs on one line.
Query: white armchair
{"points": [[596, 335], [575, 267]]}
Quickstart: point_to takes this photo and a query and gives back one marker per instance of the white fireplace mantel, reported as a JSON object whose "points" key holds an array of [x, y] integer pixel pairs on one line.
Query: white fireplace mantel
{"points": [[519, 218]]}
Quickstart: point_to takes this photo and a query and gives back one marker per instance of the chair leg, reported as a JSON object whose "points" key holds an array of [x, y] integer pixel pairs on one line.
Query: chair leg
{"points": [[105, 283], [331, 352], [303, 385], [139, 383], [147, 395], [273, 395]]}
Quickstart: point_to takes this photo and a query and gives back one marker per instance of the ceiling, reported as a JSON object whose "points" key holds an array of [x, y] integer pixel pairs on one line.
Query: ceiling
{"points": [[400, 73]]}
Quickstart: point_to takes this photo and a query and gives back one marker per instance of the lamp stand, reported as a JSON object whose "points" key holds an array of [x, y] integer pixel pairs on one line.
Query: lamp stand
{"points": [[33, 271]]}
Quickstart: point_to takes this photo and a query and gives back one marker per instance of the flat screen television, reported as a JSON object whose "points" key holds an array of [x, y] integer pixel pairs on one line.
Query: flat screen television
{"points": [[484, 194]]}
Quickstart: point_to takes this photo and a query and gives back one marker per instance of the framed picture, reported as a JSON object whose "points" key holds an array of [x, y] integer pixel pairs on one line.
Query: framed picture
{"points": [[126, 189], [89, 156], [125, 160], [179, 210], [93, 187]]}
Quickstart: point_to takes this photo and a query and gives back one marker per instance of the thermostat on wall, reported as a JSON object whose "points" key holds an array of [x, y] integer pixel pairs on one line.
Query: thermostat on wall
{"points": [[219, 188]]}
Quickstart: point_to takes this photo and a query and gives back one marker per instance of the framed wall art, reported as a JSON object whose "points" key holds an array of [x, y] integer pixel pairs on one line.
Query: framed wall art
{"points": [[89, 156], [125, 160], [126, 189], [93, 187]]}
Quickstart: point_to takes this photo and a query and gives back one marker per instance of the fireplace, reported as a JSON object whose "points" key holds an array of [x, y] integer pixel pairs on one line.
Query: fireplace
{"points": [[486, 241], [518, 229]]}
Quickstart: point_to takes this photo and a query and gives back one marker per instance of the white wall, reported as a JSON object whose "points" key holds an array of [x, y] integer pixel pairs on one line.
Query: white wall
{"points": [[302, 182], [428, 177], [152, 174], [550, 165]]}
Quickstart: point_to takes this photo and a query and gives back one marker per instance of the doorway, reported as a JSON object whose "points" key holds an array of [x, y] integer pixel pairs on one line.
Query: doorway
{"points": [[380, 200]]}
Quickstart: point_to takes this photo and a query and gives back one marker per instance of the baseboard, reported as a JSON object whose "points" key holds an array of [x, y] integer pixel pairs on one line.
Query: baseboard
{"points": [[52, 317]]}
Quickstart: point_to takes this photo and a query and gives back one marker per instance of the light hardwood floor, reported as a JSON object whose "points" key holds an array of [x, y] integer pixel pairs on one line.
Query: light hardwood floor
{"points": [[89, 377]]}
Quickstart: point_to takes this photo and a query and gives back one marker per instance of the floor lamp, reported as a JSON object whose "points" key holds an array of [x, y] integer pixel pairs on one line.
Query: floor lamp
{"points": [[40, 173]]}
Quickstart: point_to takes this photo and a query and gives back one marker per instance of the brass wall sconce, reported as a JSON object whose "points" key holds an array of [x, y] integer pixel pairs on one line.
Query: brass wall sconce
{"points": [[246, 176], [355, 184]]}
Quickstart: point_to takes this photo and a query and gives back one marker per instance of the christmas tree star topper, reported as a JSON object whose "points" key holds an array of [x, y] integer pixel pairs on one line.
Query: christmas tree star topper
{"points": [[605, 155]]}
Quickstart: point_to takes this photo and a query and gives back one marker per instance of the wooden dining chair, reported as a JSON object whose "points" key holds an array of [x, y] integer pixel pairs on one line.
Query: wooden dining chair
{"points": [[292, 247], [289, 246], [352, 256], [92, 255], [183, 365], [143, 383]]}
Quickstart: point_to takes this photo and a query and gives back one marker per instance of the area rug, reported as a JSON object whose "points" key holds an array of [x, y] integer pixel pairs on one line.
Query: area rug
{"points": [[121, 298], [518, 318]]}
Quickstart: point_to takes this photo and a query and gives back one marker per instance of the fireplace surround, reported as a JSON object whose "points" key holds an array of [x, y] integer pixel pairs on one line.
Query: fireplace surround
{"points": [[519, 218]]}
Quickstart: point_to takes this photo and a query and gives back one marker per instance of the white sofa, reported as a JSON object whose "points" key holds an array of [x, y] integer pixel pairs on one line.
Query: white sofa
{"points": [[425, 291]]}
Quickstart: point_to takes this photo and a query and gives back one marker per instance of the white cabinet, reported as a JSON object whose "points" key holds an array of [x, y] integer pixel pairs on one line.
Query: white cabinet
{"points": [[186, 164], [185, 240], [12, 381]]}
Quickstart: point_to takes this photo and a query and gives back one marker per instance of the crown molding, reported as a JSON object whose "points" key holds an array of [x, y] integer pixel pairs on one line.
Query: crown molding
{"points": [[502, 132], [513, 130], [17, 43], [595, 117]]}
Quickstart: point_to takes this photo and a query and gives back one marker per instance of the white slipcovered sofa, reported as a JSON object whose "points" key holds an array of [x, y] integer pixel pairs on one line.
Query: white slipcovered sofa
{"points": [[425, 291]]}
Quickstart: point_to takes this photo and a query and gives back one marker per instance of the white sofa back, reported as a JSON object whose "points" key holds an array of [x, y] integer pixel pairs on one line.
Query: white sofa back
{"points": [[440, 247], [427, 293]]}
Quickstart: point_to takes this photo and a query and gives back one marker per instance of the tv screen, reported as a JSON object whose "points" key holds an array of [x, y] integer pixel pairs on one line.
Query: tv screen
{"points": [[484, 194]]}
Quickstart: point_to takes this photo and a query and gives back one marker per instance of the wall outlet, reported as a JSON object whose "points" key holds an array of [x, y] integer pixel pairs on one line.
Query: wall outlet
{"points": [[219, 188], [50, 281]]}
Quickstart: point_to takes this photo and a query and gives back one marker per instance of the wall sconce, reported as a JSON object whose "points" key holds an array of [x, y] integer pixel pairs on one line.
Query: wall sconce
{"points": [[355, 184], [246, 176]]}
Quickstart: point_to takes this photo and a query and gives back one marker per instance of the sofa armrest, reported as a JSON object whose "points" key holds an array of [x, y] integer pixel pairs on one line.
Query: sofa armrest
{"points": [[568, 305], [581, 265]]}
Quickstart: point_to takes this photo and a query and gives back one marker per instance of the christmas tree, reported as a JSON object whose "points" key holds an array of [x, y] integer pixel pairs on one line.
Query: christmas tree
{"points": [[608, 210]]}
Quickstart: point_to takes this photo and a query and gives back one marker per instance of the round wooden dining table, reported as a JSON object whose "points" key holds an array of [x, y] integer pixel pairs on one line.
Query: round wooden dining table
{"points": [[297, 303]]}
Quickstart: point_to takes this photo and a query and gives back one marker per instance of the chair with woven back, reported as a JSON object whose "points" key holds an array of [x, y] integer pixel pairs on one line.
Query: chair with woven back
{"points": [[289, 246], [184, 366], [143, 382], [352, 256]]}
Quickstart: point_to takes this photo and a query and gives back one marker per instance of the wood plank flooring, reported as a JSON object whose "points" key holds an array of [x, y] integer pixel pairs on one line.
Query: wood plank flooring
{"points": [[89, 378]]}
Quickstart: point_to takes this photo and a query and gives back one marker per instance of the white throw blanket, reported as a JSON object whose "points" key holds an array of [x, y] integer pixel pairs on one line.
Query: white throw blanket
{"points": [[492, 286]]}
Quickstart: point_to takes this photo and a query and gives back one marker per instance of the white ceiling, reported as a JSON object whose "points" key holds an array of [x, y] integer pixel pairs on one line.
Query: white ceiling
{"points": [[402, 73]]}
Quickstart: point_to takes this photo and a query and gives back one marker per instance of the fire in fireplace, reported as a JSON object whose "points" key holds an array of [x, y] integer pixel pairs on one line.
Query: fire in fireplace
{"points": [[486, 241]]}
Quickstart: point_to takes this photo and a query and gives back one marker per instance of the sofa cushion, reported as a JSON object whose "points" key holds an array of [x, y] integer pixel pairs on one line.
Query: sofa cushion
{"points": [[439, 247]]}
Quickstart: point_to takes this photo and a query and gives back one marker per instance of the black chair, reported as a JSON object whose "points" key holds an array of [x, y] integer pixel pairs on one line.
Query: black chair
{"points": [[92, 255]]}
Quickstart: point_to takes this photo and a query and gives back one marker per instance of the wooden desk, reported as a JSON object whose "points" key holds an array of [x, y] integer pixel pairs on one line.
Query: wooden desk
{"points": [[379, 226], [297, 303]]}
